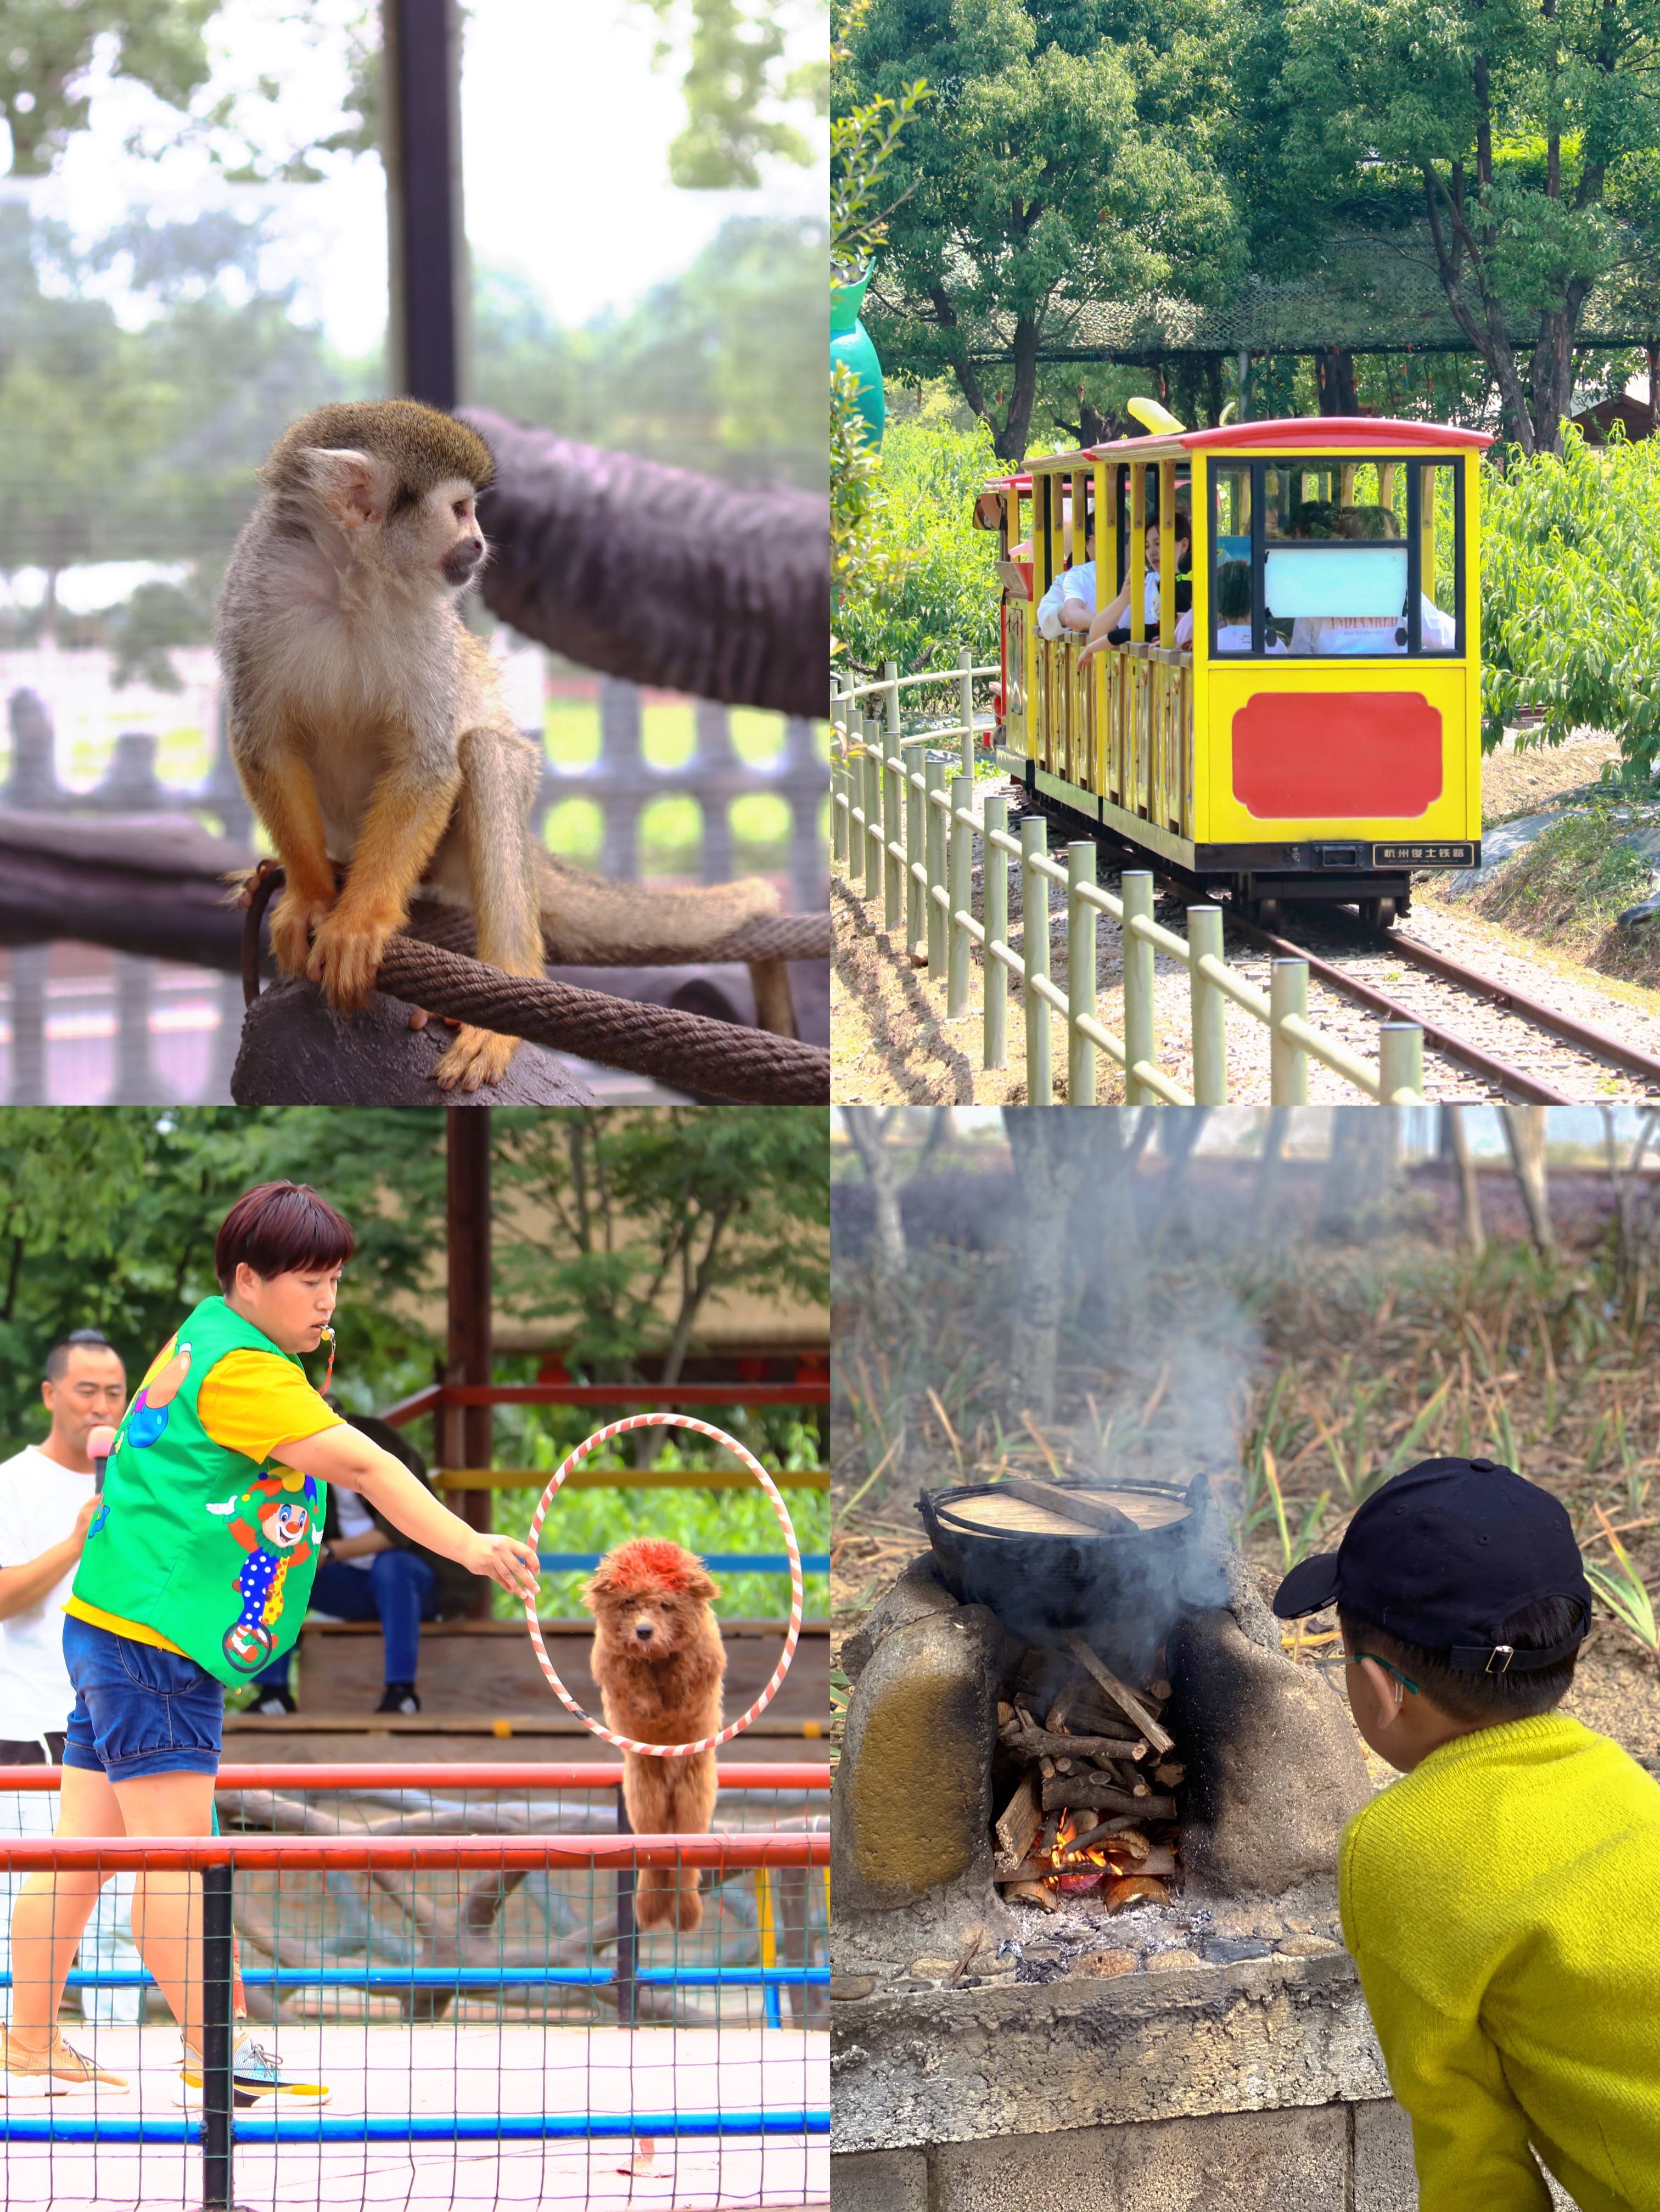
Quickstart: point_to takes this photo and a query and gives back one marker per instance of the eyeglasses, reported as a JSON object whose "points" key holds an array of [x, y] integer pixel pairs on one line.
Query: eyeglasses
{"points": [[1348, 1659]]}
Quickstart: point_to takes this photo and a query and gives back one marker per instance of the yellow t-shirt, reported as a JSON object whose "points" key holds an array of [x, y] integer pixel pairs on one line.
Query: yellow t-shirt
{"points": [[249, 1401], [1502, 1903]]}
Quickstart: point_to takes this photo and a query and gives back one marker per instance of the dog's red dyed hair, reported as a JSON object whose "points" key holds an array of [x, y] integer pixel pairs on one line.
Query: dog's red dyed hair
{"points": [[650, 1563]]}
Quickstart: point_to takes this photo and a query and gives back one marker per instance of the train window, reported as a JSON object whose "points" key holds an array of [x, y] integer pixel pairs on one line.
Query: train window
{"points": [[1336, 556]]}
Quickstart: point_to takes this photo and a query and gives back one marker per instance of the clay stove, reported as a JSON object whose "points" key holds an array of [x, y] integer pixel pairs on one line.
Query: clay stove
{"points": [[1173, 1989]]}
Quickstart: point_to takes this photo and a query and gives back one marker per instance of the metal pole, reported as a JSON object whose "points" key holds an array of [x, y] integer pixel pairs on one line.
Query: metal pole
{"points": [[934, 775], [1288, 1064], [872, 807], [892, 833], [995, 900], [1141, 1037], [962, 895], [467, 1237], [1210, 1041], [421, 141], [1081, 937], [965, 707], [1400, 1059], [218, 2190], [1035, 933], [628, 1941], [917, 844]]}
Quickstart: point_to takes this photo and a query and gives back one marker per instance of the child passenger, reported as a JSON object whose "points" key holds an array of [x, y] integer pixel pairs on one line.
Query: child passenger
{"points": [[1502, 1901], [1113, 618], [1233, 612]]}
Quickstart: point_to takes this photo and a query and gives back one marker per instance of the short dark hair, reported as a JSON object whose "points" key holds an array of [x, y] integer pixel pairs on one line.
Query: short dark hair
{"points": [[1233, 590], [57, 1359], [279, 1226], [1482, 1700]]}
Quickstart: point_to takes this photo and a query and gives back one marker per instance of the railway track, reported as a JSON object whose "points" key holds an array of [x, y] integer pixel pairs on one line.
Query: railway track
{"points": [[1516, 1047]]}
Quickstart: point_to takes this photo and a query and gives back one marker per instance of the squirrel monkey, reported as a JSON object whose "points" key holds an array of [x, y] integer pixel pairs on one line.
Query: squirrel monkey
{"points": [[368, 728]]}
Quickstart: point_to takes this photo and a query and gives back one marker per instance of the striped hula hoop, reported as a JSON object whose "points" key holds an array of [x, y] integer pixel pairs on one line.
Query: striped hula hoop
{"points": [[791, 1635]]}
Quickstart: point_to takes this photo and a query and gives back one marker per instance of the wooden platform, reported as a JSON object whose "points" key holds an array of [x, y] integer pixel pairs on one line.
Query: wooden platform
{"points": [[480, 1683]]}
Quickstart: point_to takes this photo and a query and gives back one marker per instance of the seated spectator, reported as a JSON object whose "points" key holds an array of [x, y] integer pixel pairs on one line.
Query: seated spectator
{"points": [[1108, 627], [47, 1500], [369, 1570], [1233, 612]]}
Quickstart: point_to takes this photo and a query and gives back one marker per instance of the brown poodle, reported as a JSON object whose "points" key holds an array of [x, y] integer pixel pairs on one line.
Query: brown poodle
{"points": [[659, 1661]]}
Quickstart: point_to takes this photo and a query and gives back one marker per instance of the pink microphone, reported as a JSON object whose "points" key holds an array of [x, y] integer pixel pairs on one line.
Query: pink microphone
{"points": [[101, 1442]]}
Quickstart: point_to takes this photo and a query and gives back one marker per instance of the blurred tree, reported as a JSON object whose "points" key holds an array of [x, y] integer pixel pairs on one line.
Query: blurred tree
{"points": [[715, 369], [651, 1212], [46, 51], [739, 87]]}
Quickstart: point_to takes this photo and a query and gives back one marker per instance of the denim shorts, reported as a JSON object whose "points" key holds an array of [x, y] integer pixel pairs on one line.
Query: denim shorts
{"points": [[138, 1710]]}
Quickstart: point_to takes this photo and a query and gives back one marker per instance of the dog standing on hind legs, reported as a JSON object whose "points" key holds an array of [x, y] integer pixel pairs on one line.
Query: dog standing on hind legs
{"points": [[660, 1664]]}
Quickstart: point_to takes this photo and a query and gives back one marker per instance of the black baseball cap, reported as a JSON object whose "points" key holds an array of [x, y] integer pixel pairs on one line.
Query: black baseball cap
{"points": [[1442, 1556]]}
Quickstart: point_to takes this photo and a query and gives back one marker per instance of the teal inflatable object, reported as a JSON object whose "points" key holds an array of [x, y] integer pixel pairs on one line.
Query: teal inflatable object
{"points": [[850, 342]]}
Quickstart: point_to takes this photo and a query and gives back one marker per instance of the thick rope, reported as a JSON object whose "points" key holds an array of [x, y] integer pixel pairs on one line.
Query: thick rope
{"points": [[769, 937], [719, 1059]]}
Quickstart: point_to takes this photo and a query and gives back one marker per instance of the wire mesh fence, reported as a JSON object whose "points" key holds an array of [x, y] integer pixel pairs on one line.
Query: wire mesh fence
{"points": [[433, 1985]]}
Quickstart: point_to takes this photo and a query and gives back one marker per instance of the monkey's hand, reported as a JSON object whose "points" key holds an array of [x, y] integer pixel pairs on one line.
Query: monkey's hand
{"points": [[345, 956], [293, 919], [477, 1056]]}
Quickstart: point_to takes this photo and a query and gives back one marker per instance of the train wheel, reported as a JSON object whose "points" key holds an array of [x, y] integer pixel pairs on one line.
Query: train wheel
{"points": [[1378, 914], [1267, 914]]}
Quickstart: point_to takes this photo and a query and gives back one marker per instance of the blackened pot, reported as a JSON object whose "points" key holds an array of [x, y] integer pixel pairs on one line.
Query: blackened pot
{"points": [[1125, 1592]]}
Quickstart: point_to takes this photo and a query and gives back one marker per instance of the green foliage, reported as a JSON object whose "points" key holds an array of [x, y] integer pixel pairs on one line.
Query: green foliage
{"points": [[858, 499], [154, 619], [734, 80], [1574, 880], [715, 369], [659, 1211], [46, 52], [1571, 595], [1064, 166], [863, 143], [934, 579]]}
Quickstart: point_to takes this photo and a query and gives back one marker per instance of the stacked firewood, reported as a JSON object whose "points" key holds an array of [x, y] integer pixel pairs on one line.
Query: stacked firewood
{"points": [[1093, 1814]]}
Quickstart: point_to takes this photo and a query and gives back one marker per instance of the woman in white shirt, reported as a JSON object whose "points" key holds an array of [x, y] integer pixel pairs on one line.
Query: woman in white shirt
{"points": [[1112, 617]]}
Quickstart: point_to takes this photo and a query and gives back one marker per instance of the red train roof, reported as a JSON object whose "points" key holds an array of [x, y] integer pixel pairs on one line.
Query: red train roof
{"points": [[1301, 430]]}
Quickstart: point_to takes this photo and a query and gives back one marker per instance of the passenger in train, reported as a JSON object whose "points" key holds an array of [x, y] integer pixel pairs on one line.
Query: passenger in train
{"points": [[1233, 612], [1069, 602], [1109, 626]]}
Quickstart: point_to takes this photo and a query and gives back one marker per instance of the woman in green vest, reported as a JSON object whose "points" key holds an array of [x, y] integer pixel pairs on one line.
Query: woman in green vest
{"points": [[195, 1574]]}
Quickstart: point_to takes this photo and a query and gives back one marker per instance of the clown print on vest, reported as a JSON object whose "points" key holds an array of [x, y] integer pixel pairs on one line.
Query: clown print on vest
{"points": [[274, 1522], [202, 1541]]}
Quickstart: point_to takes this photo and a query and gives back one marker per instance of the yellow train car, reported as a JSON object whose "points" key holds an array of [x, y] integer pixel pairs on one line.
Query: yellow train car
{"points": [[1299, 717]]}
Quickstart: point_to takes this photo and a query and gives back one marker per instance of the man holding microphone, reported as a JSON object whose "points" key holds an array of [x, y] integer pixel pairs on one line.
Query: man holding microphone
{"points": [[47, 1497]]}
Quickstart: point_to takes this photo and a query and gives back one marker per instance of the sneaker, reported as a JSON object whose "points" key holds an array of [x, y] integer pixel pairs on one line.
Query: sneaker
{"points": [[255, 2075], [398, 1698], [272, 1700], [60, 2072]]}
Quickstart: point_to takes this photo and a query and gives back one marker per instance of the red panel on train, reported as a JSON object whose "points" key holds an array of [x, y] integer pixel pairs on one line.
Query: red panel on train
{"points": [[1311, 753]]}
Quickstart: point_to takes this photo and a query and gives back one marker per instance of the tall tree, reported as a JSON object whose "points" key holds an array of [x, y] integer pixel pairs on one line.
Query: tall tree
{"points": [[1061, 161], [870, 1129], [1526, 130]]}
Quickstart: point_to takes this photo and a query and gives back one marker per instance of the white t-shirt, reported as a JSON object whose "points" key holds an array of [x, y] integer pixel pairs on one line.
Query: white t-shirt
{"points": [[1374, 633], [356, 1519], [1077, 583], [38, 1501]]}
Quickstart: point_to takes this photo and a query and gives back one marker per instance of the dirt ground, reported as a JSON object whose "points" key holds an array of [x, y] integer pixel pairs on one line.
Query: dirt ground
{"points": [[1527, 780]]}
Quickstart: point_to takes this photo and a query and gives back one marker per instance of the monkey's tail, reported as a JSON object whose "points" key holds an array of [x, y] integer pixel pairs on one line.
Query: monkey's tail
{"points": [[588, 917]]}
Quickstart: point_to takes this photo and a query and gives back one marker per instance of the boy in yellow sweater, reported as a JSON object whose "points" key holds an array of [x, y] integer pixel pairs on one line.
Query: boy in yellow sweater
{"points": [[1502, 1901]]}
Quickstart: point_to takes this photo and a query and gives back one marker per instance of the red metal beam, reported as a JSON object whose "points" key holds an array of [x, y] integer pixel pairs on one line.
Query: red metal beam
{"points": [[115, 1854], [497, 1774], [440, 1397]]}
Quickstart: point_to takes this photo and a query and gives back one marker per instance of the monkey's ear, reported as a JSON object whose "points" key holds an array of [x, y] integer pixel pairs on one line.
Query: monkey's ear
{"points": [[354, 488]]}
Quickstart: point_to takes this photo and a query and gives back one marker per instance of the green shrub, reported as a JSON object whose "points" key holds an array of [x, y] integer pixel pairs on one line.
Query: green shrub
{"points": [[1572, 880], [1571, 595], [937, 588]]}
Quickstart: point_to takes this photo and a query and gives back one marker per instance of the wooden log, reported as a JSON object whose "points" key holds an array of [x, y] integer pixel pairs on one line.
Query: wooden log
{"points": [[1097, 1794], [1035, 1741], [1136, 1889], [1020, 1819], [1170, 1771], [1125, 1699], [1072, 1505], [1123, 1827], [1035, 1892]]}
